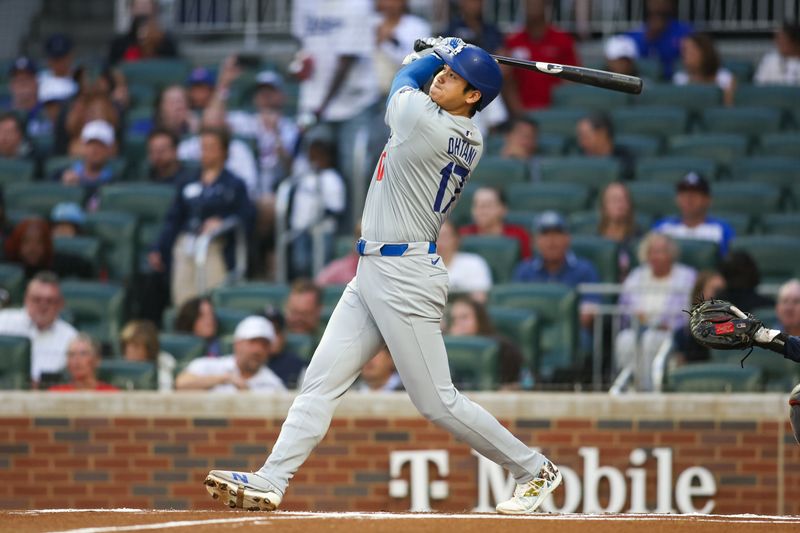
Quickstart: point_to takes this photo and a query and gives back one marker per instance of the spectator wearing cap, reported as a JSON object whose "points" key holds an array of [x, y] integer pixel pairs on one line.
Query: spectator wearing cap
{"points": [[595, 136], [659, 37], [693, 198], [13, 144], [621, 53], [54, 93], [24, 89], [58, 49], [94, 169], [782, 65], [555, 263], [288, 366], [67, 220], [163, 165], [244, 370], [200, 87], [489, 208]]}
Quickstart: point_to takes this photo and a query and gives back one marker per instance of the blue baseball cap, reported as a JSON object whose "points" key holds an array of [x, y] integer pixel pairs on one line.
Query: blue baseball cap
{"points": [[201, 76], [68, 212], [550, 221], [58, 45], [22, 64]]}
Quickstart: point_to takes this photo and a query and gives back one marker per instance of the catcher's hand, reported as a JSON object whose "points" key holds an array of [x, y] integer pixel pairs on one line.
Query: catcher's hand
{"points": [[721, 325]]}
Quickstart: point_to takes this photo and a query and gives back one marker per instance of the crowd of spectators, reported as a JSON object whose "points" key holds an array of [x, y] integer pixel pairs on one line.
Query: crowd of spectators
{"points": [[246, 160]]}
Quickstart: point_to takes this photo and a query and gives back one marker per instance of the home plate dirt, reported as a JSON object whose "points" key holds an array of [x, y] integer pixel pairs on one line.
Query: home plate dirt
{"points": [[114, 520]]}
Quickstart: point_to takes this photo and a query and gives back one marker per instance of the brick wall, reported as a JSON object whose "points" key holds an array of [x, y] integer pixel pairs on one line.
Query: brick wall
{"points": [[120, 458]]}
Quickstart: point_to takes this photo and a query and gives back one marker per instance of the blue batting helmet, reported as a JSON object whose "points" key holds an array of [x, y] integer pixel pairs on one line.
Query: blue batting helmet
{"points": [[476, 66]]}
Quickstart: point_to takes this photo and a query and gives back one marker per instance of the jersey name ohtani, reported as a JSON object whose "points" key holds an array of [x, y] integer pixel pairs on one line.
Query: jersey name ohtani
{"points": [[459, 147]]}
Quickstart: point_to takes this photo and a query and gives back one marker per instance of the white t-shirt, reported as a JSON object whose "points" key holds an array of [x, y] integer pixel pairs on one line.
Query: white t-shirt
{"points": [[315, 192], [723, 79], [48, 347], [329, 29], [264, 381], [391, 52], [774, 69], [469, 273], [240, 160]]}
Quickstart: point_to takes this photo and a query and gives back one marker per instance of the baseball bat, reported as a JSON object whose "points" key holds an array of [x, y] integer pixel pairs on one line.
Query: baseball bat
{"points": [[588, 76]]}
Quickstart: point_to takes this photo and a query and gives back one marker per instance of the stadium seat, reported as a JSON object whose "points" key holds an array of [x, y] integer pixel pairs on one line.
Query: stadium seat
{"points": [[640, 145], [128, 375], [777, 256], [96, 308], [742, 223], [662, 122], [698, 254], [714, 378], [781, 224], [573, 95], [86, 248], [550, 144], [723, 148], [462, 213], [780, 171], [228, 319], [521, 326], [183, 347], [653, 198], [492, 145], [602, 253], [742, 69], [148, 201], [558, 121], [781, 97], [15, 170], [671, 169], [526, 219], [556, 305], [332, 293], [498, 171], [15, 365], [135, 152], [691, 97], [537, 197], [594, 172], [779, 144], [40, 197], [750, 121], [501, 253], [156, 73], [778, 373], [12, 279], [473, 362], [650, 68], [343, 245], [749, 198], [251, 297], [300, 343], [586, 222], [117, 233], [143, 96]]}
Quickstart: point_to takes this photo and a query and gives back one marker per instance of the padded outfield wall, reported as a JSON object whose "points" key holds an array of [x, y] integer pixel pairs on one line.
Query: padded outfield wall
{"points": [[727, 454]]}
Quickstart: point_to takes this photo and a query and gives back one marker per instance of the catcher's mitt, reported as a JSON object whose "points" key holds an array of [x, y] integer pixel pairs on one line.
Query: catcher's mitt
{"points": [[721, 325]]}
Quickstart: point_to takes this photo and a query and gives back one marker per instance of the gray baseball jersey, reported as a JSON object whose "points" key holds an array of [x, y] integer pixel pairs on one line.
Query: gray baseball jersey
{"points": [[423, 169]]}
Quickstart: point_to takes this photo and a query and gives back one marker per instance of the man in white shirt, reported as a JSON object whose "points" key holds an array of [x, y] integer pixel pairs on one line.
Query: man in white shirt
{"points": [[244, 370], [39, 321], [782, 65]]}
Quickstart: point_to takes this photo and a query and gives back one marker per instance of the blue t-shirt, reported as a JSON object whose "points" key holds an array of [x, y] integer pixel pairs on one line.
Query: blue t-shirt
{"points": [[666, 47], [575, 270], [712, 229]]}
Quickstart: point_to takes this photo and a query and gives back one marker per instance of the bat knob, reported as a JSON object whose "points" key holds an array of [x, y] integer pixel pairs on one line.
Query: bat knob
{"points": [[420, 45]]}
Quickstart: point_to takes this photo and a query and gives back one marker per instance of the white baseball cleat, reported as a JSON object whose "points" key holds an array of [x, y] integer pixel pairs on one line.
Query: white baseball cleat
{"points": [[243, 490], [528, 497]]}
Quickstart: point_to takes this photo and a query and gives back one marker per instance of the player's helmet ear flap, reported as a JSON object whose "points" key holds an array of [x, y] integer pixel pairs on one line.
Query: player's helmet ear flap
{"points": [[477, 67]]}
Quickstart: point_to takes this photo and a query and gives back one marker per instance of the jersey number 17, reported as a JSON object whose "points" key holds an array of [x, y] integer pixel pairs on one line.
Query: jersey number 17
{"points": [[446, 172]]}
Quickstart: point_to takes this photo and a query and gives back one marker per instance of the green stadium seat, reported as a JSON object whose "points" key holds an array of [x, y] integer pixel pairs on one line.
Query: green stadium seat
{"points": [[741, 69], [781, 224], [128, 375], [343, 245], [86, 248], [601, 252], [742, 223], [148, 201], [595, 172], [15, 364], [671, 169], [691, 97], [659, 121], [251, 297], [586, 97], [501, 253], [44, 143], [652, 197], [564, 197], [15, 170], [777, 256], [332, 293], [746, 197], [156, 73], [551, 144], [228, 319], [117, 233], [780, 171], [498, 171], [97, 308], [12, 279], [714, 378], [780, 97], [146, 238], [558, 121], [300, 343], [779, 144], [698, 254], [650, 68], [142, 96], [520, 326], [556, 305], [473, 362], [40, 197], [492, 145], [526, 219], [135, 151], [778, 373], [751, 121], [461, 214], [723, 148], [182, 346], [640, 145]]}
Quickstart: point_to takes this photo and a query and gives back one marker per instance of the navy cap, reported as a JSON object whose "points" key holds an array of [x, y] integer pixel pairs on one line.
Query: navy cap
{"points": [[201, 75], [22, 64], [550, 221], [58, 45], [694, 181]]}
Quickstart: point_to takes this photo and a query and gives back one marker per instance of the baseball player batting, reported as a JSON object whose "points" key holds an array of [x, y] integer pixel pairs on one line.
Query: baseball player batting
{"points": [[400, 289]]}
